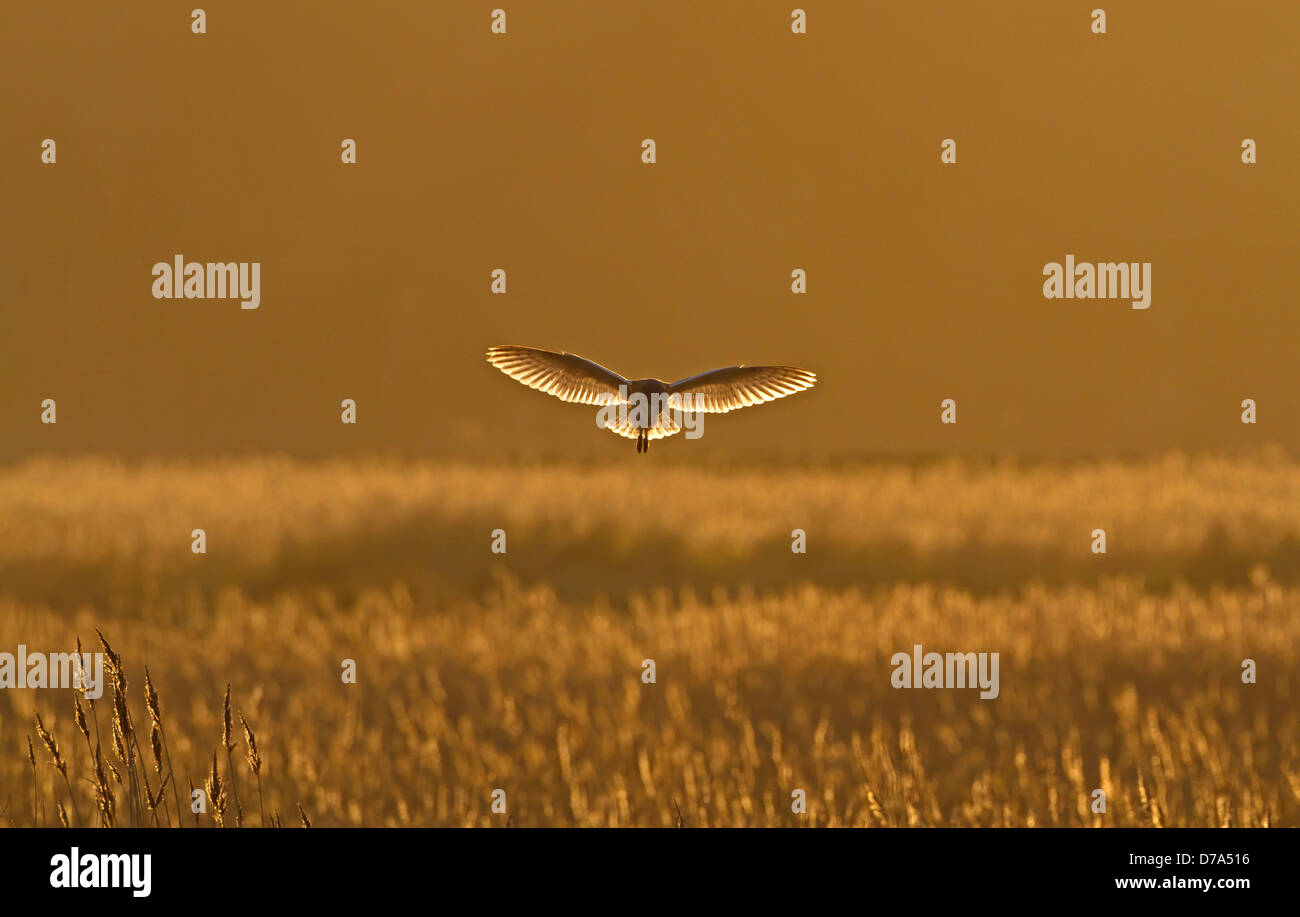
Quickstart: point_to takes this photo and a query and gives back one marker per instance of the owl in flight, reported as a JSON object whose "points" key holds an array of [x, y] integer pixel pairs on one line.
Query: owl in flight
{"points": [[649, 405]]}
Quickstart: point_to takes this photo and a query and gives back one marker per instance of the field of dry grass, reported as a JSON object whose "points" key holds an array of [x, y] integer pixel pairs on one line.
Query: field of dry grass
{"points": [[522, 671]]}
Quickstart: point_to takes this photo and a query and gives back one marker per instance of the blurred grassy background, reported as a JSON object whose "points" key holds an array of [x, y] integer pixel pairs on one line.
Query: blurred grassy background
{"points": [[522, 671]]}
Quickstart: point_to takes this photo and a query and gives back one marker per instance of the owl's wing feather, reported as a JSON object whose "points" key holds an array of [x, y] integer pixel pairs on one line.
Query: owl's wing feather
{"points": [[567, 376], [721, 390]]}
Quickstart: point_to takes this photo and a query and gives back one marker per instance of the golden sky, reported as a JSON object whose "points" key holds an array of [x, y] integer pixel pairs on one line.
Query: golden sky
{"points": [[775, 152]]}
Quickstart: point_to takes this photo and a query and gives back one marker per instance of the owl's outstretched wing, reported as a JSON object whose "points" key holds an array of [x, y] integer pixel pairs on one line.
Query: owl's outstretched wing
{"points": [[721, 390], [567, 376]]}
